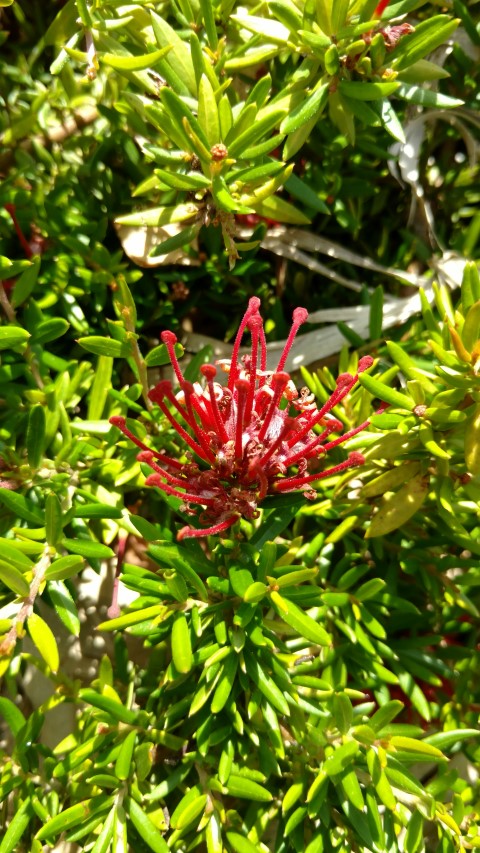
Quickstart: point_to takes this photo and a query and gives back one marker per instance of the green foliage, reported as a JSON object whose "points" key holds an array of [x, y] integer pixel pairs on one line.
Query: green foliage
{"points": [[309, 682]]}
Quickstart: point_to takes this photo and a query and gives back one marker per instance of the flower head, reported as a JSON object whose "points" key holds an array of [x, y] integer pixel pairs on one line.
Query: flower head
{"points": [[251, 437]]}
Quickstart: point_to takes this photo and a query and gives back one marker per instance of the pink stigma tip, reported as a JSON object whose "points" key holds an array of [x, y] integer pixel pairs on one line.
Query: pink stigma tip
{"points": [[145, 456], [118, 421], [365, 363], [344, 379], [154, 480], [281, 377], [161, 388], [300, 315], [168, 337], [208, 371], [356, 458]]}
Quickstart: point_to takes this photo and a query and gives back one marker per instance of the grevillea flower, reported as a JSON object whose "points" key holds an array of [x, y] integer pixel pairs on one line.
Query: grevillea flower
{"points": [[251, 437], [380, 8]]}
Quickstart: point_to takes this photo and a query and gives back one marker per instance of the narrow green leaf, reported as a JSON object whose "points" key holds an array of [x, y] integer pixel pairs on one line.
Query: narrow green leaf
{"points": [[16, 828], [104, 839], [367, 91], [351, 788], [96, 510], [208, 15], [105, 346], [122, 62], [100, 388], [208, 111], [123, 763], [147, 830], [64, 567], [13, 579], [25, 283], [88, 548], [181, 644], [49, 330], [400, 508], [301, 622], [20, 506], [266, 685], [44, 640], [240, 786], [67, 819], [376, 313], [384, 392], [263, 125], [12, 716], [240, 843], [341, 758], [410, 744], [184, 562], [53, 520], [184, 238], [280, 210], [179, 58], [35, 440], [64, 606], [158, 356], [309, 109], [385, 714], [448, 739], [426, 97], [154, 217], [414, 835], [110, 706], [342, 712], [12, 336], [225, 684]]}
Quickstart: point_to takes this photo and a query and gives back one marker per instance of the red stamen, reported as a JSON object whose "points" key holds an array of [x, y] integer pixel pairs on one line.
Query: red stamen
{"points": [[312, 448], [209, 371], [300, 315], [187, 532], [290, 483], [279, 383], [345, 437], [191, 401], [344, 383], [242, 388], [380, 8], [119, 422], [263, 349], [149, 460], [170, 339], [155, 394], [253, 306], [156, 480], [254, 325]]}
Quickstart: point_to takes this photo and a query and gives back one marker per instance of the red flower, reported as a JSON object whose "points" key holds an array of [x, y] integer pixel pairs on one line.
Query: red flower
{"points": [[247, 439], [380, 8]]}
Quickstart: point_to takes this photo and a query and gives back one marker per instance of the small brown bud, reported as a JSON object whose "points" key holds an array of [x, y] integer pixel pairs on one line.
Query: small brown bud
{"points": [[420, 410], [219, 151]]}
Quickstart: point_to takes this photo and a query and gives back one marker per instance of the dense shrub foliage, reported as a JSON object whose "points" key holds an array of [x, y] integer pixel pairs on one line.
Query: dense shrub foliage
{"points": [[260, 633]]}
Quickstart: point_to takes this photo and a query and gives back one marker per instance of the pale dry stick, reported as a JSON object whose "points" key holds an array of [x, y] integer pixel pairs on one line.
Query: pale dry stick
{"points": [[26, 610]]}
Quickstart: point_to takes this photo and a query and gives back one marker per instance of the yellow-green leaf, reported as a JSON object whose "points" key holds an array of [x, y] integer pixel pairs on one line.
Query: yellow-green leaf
{"points": [[399, 508], [44, 640]]}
